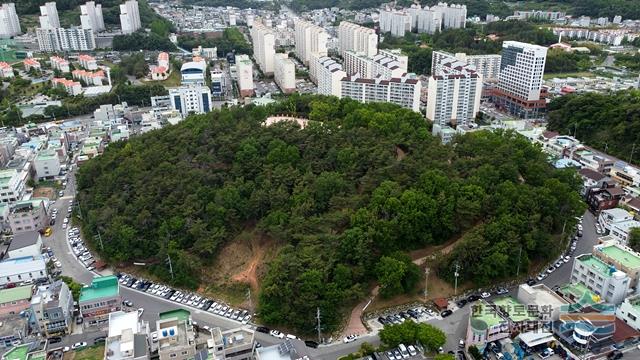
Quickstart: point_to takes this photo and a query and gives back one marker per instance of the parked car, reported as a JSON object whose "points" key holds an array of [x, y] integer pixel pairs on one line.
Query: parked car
{"points": [[263, 329], [461, 303], [502, 291], [276, 333], [311, 344], [349, 338], [485, 295], [473, 297], [78, 345], [446, 313], [128, 303]]}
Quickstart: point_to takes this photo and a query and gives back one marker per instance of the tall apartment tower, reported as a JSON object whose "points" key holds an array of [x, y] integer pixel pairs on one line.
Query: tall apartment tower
{"points": [[284, 73], [244, 71], [454, 93], [395, 22], [453, 16], [9, 22], [130, 17], [428, 21], [359, 39], [49, 16], [310, 39], [328, 75], [486, 65], [520, 81], [264, 51], [91, 16]]}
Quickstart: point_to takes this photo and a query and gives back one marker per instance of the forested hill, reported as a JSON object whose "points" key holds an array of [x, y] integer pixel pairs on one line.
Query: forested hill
{"points": [[345, 198], [608, 122]]}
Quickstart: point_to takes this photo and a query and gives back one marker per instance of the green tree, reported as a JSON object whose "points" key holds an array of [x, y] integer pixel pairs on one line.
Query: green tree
{"points": [[390, 273], [474, 352], [74, 287], [634, 239]]}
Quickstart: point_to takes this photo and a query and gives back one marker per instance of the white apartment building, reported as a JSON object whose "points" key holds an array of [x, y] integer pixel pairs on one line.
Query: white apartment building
{"points": [[127, 338], [395, 22], [91, 16], [130, 17], [328, 76], [454, 93], [31, 63], [46, 164], [522, 68], [284, 73], [191, 99], [428, 21], [310, 39], [9, 22], [72, 88], [404, 91], [60, 39], [6, 70], [58, 63], [486, 65], [454, 16], [88, 62], [608, 217], [49, 16], [386, 64], [264, 52], [12, 185], [353, 37], [244, 71], [629, 311], [88, 77], [604, 280]]}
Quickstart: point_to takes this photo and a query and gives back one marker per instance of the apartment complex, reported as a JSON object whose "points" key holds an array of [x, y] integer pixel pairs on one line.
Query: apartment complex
{"points": [[91, 16], [604, 280], [72, 88], [191, 99], [176, 336], [264, 52], [328, 75], [284, 73], [99, 299], [520, 82], [65, 39], [52, 309], [310, 39], [486, 65], [356, 38], [244, 72], [127, 337], [9, 21], [49, 16], [454, 93], [58, 63], [454, 16], [395, 22], [386, 64], [427, 20], [130, 17], [88, 62], [404, 91]]}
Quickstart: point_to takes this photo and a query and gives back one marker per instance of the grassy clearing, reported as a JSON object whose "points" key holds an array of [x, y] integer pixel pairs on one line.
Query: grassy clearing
{"points": [[90, 353]]}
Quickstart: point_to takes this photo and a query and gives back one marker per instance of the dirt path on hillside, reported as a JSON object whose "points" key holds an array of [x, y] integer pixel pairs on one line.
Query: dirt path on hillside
{"points": [[250, 274]]}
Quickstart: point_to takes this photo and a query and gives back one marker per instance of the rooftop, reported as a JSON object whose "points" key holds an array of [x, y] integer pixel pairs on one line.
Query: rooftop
{"points": [[17, 353], [623, 256], [596, 264], [22, 240], [579, 292], [22, 265], [15, 294], [512, 307], [485, 313], [101, 287], [181, 314]]}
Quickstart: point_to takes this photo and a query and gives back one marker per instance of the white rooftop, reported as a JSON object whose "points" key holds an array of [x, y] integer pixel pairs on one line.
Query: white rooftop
{"points": [[120, 321]]}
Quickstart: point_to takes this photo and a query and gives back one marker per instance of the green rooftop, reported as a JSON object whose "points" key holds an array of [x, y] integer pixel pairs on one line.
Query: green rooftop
{"points": [[15, 294], [101, 287], [6, 175], [47, 155], [517, 312], [17, 353], [483, 314], [181, 314], [624, 257], [595, 264]]}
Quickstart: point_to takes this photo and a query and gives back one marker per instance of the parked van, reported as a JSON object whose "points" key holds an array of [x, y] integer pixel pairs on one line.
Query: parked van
{"points": [[403, 351]]}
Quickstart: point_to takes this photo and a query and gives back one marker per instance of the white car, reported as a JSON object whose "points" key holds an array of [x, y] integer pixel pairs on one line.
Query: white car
{"points": [[541, 277], [567, 258], [276, 333], [485, 295], [65, 221], [58, 264], [140, 311], [350, 338], [78, 345], [66, 349], [64, 226], [580, 227]]}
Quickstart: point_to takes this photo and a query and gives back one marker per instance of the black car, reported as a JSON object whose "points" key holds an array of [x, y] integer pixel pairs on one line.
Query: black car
{"points": [[579, 233], [263, 329], [531, 282], [461, 355], [55, 339], [382, 320], [413, 314], [404, 315], [461, 303], [100, 339], [311, 344], [615, 355], [446, 313], [473, 297]]}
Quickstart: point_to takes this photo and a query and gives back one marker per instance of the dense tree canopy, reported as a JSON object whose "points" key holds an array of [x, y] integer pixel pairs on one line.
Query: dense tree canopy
{"points": [[340, 196], [604, 121], [410, 332], [231, 40], [140, 40]]}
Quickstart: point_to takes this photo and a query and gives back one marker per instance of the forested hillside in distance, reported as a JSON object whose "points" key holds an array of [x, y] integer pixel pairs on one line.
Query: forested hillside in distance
{"points": [[345, 198], [604, 121]]}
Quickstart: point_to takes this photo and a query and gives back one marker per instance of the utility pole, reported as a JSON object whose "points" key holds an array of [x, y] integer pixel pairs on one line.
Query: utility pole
{"points": [[99, 236], [633, 149], [170, 267], [249, 298], [318, 326], [456, 274], [519, 257], [426, 282]]}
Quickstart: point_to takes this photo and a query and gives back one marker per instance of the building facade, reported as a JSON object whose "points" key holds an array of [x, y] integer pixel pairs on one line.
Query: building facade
{"points": [[356, 38], [65, 39], [46, 164], [130, 17], [284, 73], [91, 16], [310, 39], [191, 99], [49, 16], [486, 65], [12, 185], [9, 21], [28, 243], [603, 279], [328, 76], [15, 300], [263, 39], [127, 338], [244, 72], [27, 269], [395, 22], [52, 309], [176, 336], [98, 300], [28, 215], [404, 91]]}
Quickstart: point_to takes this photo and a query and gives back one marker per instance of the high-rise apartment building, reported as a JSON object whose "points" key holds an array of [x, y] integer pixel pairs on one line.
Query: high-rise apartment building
{"points": [[310, 39], [191, 99], [386, 64], [284, 73], [244, 72], [130, 17], [91, 16], [49, 16], [395, 22], [61, 39], [486, 65], [264, 51], [454, 93], [404, 91], [328, 75], [520, 83], [428, 21], [453, 16], [352, 37], [9, 22]]}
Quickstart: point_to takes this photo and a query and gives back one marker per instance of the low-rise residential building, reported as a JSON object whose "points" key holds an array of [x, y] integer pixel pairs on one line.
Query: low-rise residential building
{"points": [[72, 88], [444, 132], [605, 197], [88, 77], [15, 300], [611, 216], [521, 318], [28, 243], [127, 338], [546, 302], [27, 269], [289, 349], [12, 185], [6, 71], [52, 309], [486, 325], [31, 63], [47, 164], [88, 62], [191, 99], [98, 300], [619, 256], [13, 331], [58, 63], [28, 215], [234, 344], [590, 179], [176, 336], [603, 279]]}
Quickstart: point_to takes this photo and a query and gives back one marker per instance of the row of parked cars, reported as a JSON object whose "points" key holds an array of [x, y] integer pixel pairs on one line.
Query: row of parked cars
{"points": [[402, 316], [79, 249], [402, 352], [568, 254], [185, 298], [279, 335]]}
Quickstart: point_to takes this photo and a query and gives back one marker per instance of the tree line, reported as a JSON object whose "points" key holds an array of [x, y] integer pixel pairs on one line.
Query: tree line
{"points": [[339, 199], [231, 40]]}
